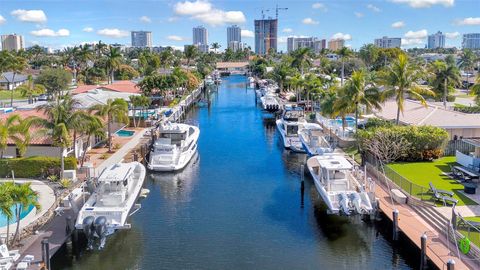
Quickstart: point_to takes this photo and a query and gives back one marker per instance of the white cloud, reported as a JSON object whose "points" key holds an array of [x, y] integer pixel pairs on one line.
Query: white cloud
{"points": [[87, 29], [36, 16], [287, 30], [452, 35], [416, 34], [175, 38], [2, 20], [203, 11], [399, 24], [320, 6], [247, 33], [282, 39], [192, 8], [112, 32], [468, 21], [342, 36], [309, 21], [373, 8], [358, 14], [412, 41], [45, 32], [425, 3], [172, 19], [145, 19]]}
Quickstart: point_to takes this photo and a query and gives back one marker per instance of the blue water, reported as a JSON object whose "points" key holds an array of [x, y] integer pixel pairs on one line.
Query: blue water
{"points": [[238, 205], [125, 133], [3, 219], [350, 121]]}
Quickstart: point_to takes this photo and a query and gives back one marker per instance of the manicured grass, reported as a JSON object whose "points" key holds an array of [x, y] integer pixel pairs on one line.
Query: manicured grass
{"points": [[472, 234], [353, 150], [6, 95], [421, 173]]}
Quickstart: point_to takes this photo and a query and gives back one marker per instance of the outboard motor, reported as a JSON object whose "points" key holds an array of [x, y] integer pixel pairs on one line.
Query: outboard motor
{"points": [[91, 185], [357, 202], [101, 230], [344, 203], [88, 230]]}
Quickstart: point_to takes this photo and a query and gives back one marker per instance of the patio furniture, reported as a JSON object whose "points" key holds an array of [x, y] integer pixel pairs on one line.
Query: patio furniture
{"points": [[5, 264], [398, 196], [469, 188], [22, 266], [467, 223], [455, 173], [439, 195], [5, 253], [467, 172]]}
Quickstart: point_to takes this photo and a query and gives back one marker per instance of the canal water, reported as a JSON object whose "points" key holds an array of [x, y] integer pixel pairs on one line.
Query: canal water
{"points": [[239, 205]]}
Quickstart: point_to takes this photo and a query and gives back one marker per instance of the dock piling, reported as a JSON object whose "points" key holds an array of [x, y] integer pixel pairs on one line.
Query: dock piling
{"points": [[46, 253], [395, 225], [451, 264], [423, 251], [302, 186], [454, 218], [68, 226]]}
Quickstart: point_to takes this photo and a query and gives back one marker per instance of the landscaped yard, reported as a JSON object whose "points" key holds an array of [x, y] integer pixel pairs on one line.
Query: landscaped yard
{"points": [[472, 234], [6, 95], [421, 173]]}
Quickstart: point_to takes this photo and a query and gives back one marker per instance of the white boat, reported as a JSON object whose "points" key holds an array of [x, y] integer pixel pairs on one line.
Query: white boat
{"points": [[313, 141], [270, 102], [209, 80], [288, 125], [112, 201], [337, 185], [174, 147]]}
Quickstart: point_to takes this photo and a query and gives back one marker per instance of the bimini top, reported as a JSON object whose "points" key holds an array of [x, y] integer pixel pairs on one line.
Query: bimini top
{"points": [[168, 127], [116, 172], [333, 162]]}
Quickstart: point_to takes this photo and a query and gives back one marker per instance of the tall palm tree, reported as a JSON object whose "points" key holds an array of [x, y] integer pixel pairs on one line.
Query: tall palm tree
{"points": [[114, 59], [6, 205], [100, 49], [16, 64], [23, 134], [475, 90], [360, 90], [7, 131], [84, 54], [302, 58], [369, 53], [445, 76], [344, 54], [23, 196], [31, 88], [190, 53], [467, 62], [92, 127], [114, 110], [216, 46], [62, 119], [135, 101], [400, 79]]}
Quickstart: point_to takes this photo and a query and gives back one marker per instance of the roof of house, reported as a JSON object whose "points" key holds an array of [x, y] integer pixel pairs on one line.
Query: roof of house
{"points": [[122, 86], [232, 64], [7, 77], [37, 139], [414, 113], [99, 96], [83, 88]]}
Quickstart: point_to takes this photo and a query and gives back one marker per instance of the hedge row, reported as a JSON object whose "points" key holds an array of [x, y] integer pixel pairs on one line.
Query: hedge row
{"points": [[467, 109], [34, 167]]}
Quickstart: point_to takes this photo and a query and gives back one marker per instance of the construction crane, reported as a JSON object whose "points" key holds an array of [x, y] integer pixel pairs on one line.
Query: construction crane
{"points": [[263, 13], [277, 9]]}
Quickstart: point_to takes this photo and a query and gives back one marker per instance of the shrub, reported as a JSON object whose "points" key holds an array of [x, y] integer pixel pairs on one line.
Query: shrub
{"points": [[104, 156], [451, 98], [377, 122], [293, 99], [34, 167], [424, 142], [52, 178], [65, 183], [467, 109]]}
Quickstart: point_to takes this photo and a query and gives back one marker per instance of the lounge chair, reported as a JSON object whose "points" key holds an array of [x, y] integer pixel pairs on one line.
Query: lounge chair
{"points": [[455, 173], [6, 264], [467, 223], [439, 195], [5, 253]]}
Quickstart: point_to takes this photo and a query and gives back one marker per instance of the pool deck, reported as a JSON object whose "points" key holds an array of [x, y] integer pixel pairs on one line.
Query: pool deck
{"points": [[46, 201]]}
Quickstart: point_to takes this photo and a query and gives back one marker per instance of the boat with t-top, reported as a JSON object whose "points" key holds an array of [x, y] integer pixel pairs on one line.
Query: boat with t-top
{"points": [[174, 148], [337, 185], [112, 201], [291, 121], [313, 140]]}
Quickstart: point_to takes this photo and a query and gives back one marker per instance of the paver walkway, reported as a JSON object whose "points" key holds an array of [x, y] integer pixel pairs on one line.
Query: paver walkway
{"points": [[464, 210]]}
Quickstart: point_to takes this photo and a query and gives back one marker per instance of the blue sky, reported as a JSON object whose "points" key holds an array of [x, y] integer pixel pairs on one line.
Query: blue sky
{"points": [[56, 23]]}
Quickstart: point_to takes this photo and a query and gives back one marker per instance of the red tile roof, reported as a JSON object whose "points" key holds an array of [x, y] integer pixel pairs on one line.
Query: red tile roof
{"points": [[84, 88], [122, 86]]}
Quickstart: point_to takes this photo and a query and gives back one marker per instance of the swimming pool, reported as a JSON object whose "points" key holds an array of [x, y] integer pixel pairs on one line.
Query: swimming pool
{"points": [[125, 133], [3, 219], [350, 121]]}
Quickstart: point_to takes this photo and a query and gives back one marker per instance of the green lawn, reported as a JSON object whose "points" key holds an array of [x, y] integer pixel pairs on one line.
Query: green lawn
{"points": [[421, 173], [472, 234], [6, 95]]}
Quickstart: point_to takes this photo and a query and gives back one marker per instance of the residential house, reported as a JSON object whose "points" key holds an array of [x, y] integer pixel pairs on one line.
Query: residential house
{"points": [[8, 82]]}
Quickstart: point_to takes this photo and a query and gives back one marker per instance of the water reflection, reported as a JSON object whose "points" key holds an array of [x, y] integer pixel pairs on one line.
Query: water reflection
{"points": [[177, 186]]}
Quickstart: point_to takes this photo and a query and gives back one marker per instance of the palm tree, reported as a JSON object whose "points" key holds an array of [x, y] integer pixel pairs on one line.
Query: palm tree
{"points": [[7, 131], [114, 59], [215, 46], [369, 53], [23, 196], [445, 76], [100, 48], [302, 58], [16, 64], [6, 205], [134, 100], [23, 134], [360, 90], [467, 62], [475, 90], [400, 79], [84, 54], [344, 54], [62, 118], [31, 88], [92, 127], [190, 53], [114, 110]]}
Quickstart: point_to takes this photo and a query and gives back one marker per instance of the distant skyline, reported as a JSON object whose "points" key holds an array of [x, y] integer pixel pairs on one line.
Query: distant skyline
{"points": [[58, 24]]}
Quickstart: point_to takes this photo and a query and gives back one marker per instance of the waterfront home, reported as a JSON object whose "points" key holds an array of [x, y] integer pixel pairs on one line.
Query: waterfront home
{"points": [[457, 124], [8, 82], [232, 67], [124, 86]]}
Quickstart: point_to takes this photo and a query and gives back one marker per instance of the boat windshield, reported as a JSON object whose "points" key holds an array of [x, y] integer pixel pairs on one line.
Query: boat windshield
{"points": [[293, 115]]}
